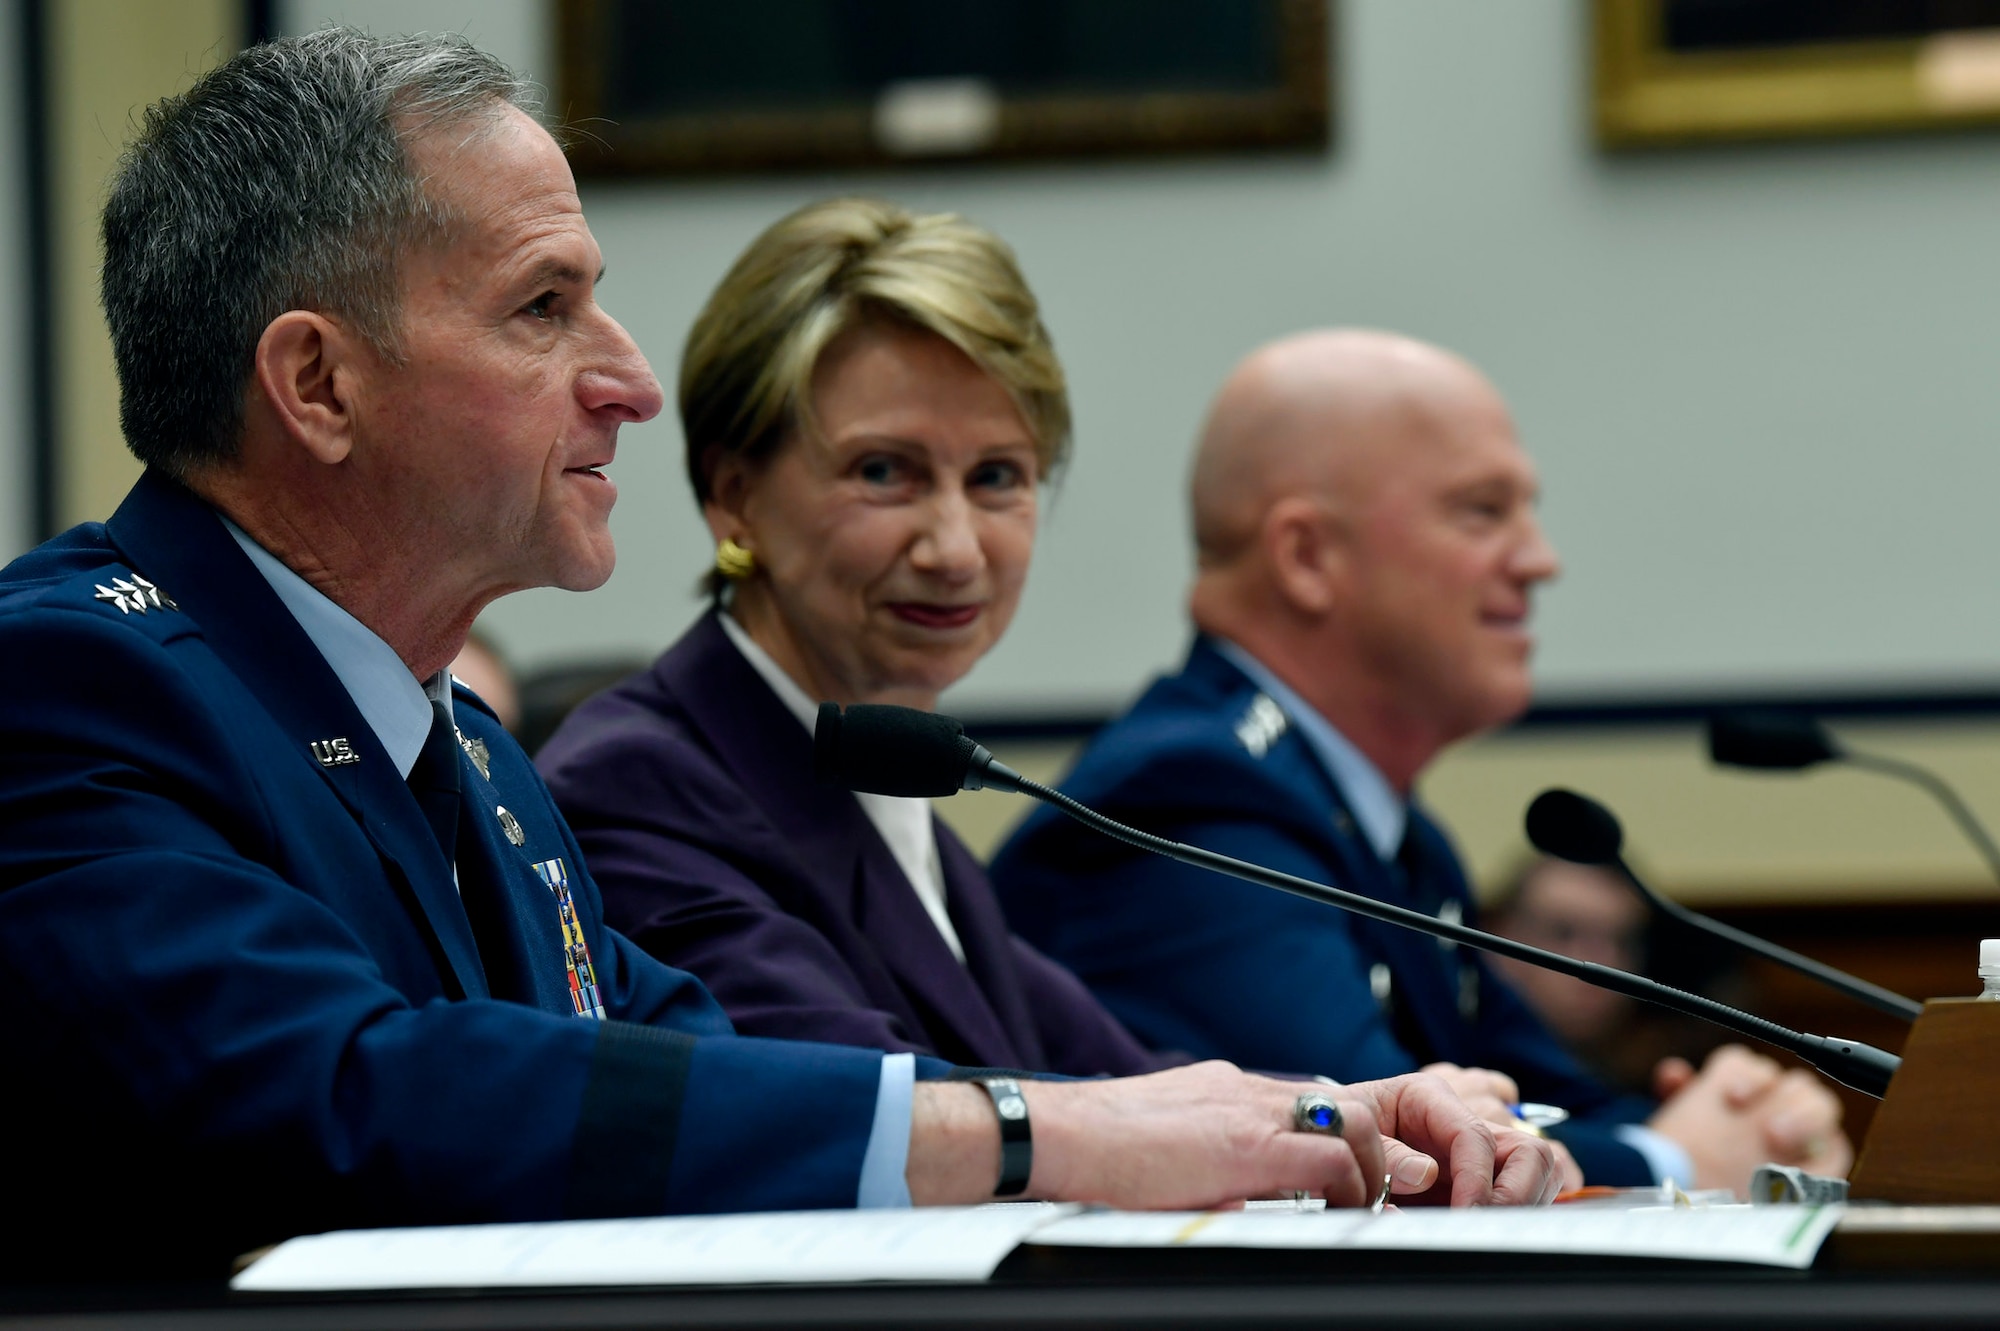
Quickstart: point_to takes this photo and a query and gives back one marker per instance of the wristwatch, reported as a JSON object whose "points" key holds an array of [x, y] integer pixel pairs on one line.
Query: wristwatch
{"points": [[1017, 1143]]}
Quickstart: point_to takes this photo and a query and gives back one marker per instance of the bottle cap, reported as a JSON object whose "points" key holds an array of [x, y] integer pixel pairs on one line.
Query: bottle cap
{"points": [[1989, 954]]}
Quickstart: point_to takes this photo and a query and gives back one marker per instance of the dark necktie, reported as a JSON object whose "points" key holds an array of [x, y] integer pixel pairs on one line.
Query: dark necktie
{"points": [[1416, 864], [1419, 875], [434, 781]]}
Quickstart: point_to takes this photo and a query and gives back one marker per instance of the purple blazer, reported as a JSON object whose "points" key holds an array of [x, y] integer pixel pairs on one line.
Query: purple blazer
{"points": [[690, 788]]}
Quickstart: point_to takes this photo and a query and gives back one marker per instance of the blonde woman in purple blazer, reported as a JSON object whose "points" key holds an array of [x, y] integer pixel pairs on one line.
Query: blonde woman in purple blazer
{"points": [[872, 408]]}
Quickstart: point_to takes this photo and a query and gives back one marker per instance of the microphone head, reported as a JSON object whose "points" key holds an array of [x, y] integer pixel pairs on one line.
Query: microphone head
{"points": [[878, 750], [1781, 740], [1574, 827]]}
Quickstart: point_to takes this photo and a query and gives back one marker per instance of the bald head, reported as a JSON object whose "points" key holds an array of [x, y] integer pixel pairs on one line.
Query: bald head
{"points": [[1324, 413], [1366, 526]]}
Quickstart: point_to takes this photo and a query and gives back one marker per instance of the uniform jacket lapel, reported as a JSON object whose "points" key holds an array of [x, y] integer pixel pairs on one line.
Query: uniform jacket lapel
{"points": [[763, 745], [176, 540], [1423, 998], [513, 907], [1424, 971]]}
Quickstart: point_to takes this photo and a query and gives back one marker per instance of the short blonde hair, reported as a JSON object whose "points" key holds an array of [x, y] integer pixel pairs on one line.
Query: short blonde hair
{"points": [[746, 375]]}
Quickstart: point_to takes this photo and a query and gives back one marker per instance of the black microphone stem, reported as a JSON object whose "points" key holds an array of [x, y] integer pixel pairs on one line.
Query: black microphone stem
{"points": [[1874, 995], [1850, 1062], [1944, 794]]}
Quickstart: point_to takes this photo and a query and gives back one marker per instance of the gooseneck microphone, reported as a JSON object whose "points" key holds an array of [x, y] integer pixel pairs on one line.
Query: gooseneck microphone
{"points": [[897, 751], [1577, 828], [1790, 741], [882, 750]]}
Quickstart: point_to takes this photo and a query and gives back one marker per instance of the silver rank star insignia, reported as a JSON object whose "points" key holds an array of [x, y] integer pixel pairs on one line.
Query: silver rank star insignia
{"points": [[136, 596], [476, 750], [510, 825], [1260, 725]]}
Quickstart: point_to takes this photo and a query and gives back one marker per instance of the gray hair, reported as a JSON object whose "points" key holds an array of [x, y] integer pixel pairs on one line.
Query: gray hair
{"points": [[280, 181]]}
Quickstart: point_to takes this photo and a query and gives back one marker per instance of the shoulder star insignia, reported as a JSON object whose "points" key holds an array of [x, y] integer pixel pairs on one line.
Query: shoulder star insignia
{"points": [[1260, 725], [476, 749], [136, 596]]}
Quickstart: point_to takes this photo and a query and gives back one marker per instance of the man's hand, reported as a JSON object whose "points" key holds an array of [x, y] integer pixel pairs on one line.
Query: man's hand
{"points": [[1486, 1092], [1210, 1135], [1742, 1110], [1493, 1095], [1489, 1166]]}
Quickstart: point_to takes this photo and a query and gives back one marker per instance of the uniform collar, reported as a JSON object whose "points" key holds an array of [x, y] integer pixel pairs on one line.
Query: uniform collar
{"points": [[395, 706], [1381, 813]]}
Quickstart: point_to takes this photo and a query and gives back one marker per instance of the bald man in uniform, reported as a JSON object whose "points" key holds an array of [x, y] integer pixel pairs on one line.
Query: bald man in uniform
{"points": [[1364, 518]]}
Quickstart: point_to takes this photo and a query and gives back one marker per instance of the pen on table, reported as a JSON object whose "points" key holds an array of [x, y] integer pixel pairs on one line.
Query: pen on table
{"points": [[1535, 1117]]}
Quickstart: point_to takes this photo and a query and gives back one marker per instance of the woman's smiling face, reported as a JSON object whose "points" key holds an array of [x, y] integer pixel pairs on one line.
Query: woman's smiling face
{"points": [[891, 544]]}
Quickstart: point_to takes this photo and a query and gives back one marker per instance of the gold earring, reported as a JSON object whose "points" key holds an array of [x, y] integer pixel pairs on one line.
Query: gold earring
{"points": [[732, 561]]}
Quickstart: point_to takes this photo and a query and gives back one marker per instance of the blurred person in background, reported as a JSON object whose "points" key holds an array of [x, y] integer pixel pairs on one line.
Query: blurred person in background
{"points": [[1581, 911], [1364, 518], [481, 667], [1588, 912]]}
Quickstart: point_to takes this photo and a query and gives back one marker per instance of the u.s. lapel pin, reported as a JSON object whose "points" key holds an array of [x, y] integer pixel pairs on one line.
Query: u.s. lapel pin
{"points": [[510, 825], [334, 752], [476, 750]]}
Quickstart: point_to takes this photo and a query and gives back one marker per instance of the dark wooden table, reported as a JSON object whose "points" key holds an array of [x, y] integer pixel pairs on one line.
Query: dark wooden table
{"points": [[1916, 1281]]}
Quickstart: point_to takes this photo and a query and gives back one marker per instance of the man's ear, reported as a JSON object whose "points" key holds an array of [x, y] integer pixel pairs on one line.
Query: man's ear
{"points": [[1305, 551], [304, 369]]}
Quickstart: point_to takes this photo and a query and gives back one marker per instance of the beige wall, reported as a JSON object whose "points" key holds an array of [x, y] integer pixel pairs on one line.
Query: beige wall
{"points": [[106, 60], [1700, 834]]}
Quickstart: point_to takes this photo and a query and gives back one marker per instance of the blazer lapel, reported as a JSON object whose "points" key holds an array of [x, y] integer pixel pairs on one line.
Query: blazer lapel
{"points": [[770, 754], [950, 995], [179, 543], [761, 743], [989, 953]]}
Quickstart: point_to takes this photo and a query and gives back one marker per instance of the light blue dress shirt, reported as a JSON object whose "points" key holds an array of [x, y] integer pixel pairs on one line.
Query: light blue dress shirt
{"points": [[1383, 816], [398, 710]]}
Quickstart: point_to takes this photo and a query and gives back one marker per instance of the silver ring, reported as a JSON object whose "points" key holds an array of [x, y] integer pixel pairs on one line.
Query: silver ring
{"points": [[1313, 1112]]}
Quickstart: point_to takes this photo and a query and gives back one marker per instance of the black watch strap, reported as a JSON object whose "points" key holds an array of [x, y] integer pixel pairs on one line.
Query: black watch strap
{"points": [[1017, 1143]]}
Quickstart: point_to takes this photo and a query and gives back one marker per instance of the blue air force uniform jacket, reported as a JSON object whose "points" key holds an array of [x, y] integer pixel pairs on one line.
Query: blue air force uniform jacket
{"points": [[244, 997], [1192, 960]]}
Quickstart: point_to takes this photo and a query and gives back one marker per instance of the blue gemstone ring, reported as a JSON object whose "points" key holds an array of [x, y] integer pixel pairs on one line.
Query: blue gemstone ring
{"points": [[1313, 1112]]}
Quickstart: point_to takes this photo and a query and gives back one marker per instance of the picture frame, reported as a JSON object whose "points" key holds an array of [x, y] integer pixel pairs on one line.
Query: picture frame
{"points": [[691, 87], [1672, 72]]}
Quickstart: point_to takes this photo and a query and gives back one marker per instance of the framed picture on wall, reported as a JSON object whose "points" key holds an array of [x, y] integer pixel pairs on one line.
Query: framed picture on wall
{"points": [[1689, 71], [658, 87]]}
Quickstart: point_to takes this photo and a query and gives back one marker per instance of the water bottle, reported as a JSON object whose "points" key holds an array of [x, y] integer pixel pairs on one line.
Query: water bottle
{"points": [[1989, 968]]}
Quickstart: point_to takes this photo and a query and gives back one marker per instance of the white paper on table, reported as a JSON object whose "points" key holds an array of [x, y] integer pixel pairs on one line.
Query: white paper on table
{"points": [[936, 1243], [1786, 1236]]}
